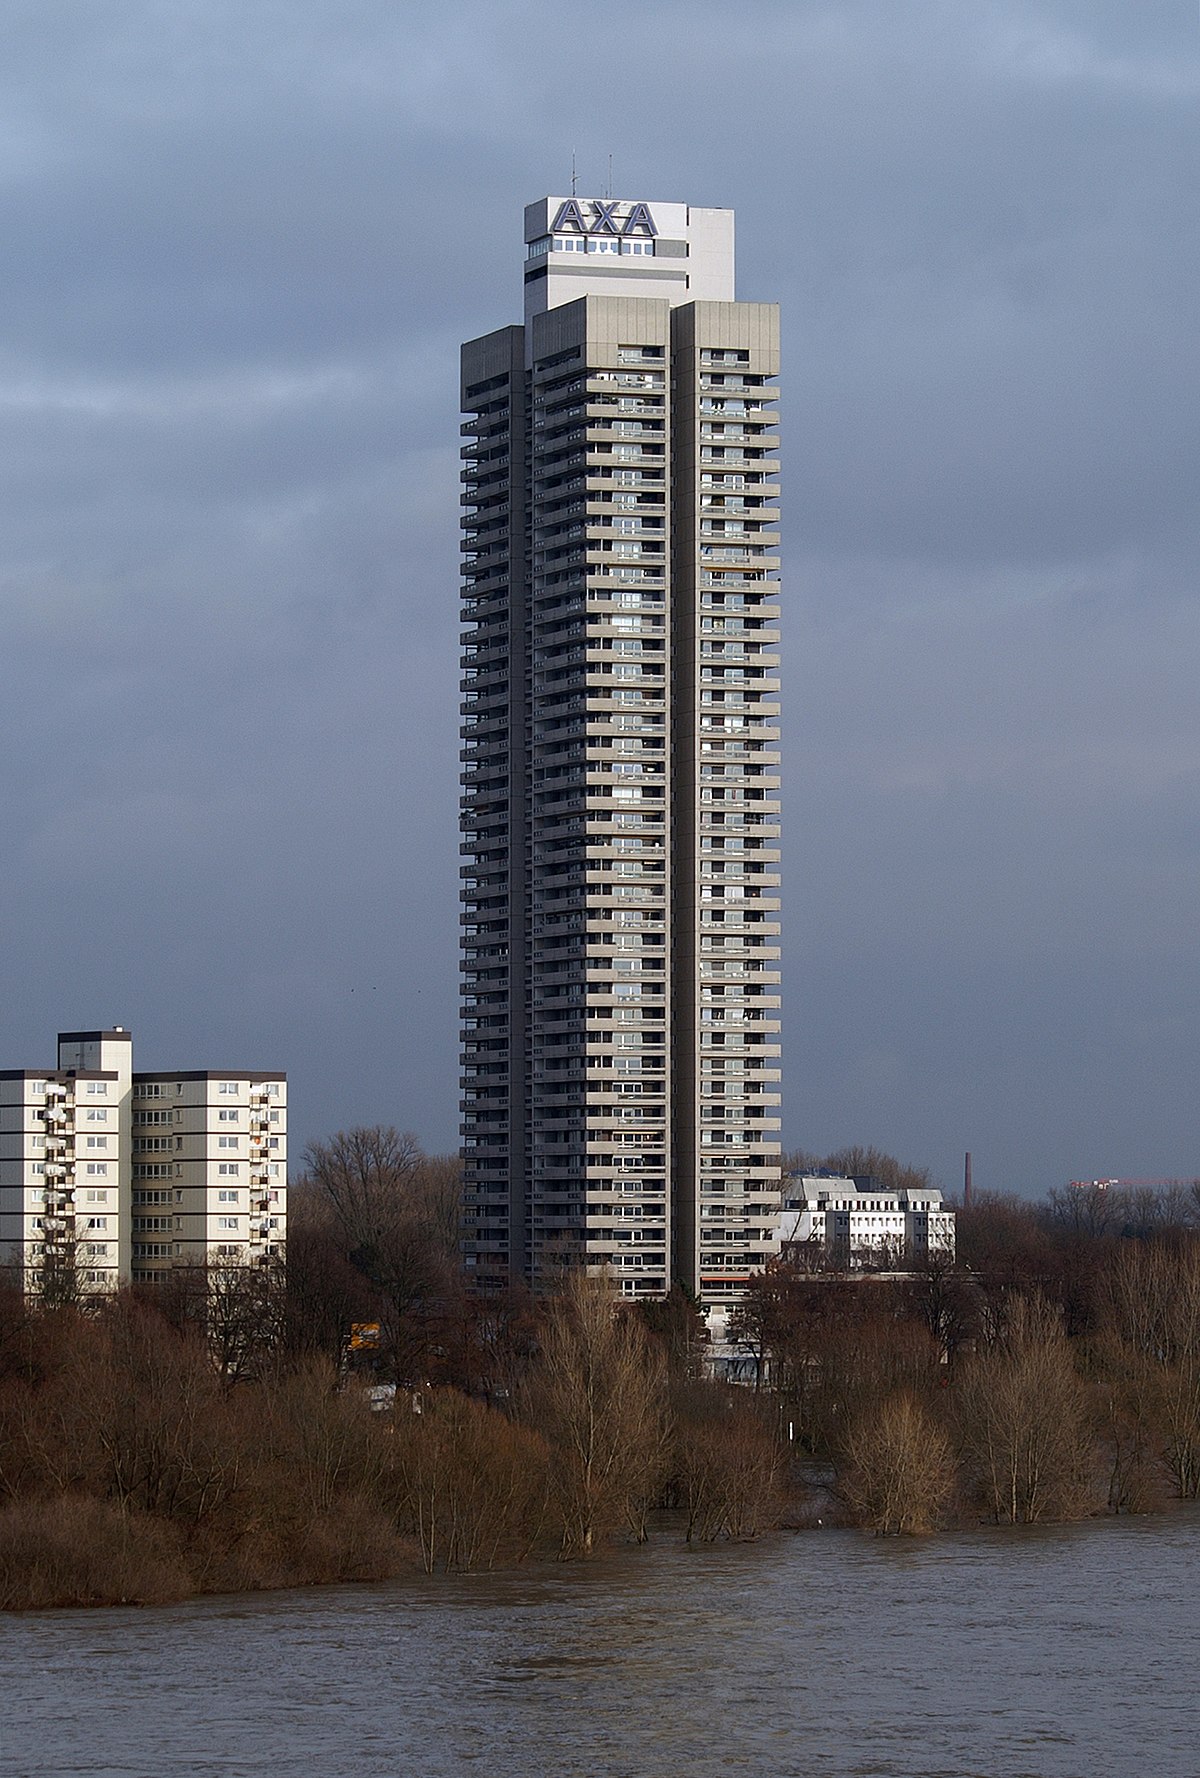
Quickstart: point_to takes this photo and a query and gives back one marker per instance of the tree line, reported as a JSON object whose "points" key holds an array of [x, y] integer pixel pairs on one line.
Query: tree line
{"points": [[134, 1468], [1052, 1372], [355, 1410]]}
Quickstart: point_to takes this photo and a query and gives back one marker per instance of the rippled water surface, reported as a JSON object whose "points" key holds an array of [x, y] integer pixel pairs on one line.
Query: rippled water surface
{"points": [[1062, 1653]]}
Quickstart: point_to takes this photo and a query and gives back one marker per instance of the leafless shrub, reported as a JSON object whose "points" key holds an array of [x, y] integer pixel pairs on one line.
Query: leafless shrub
{"points": [[153, 1403], [897, 1473], [1181, 1421], [1126, 1398], [726, 1466], [473, 1485], [323, 1438], [69, 1550], [272, 1540]]}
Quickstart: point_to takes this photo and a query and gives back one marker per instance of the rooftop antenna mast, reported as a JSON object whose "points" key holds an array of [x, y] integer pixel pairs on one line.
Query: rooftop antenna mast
{"points": [[608, 193], [573, 192]]}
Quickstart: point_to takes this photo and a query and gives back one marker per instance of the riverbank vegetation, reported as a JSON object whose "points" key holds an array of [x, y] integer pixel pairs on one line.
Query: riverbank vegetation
{"points": [[134, 1469], [358, 1412]]}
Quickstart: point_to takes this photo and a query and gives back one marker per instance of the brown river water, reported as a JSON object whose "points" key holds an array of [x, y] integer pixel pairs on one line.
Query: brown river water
{"points": [[1066, 1652]]}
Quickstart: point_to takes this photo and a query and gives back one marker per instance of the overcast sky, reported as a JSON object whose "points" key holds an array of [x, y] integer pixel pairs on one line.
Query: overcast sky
{"points": [[241, 245]]}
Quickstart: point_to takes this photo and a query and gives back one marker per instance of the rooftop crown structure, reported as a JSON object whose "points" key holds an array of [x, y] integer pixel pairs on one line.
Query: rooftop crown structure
{"points": [[620, 801]]}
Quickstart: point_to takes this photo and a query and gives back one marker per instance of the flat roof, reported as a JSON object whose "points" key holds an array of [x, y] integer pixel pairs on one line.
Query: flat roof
{"points": [[209, 1074]]}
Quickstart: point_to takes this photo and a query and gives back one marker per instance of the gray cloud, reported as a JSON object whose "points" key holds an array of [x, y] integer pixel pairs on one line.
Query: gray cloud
{"points": [[241, 248]]}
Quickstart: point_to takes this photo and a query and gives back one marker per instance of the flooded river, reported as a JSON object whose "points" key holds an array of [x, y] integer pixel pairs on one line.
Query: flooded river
{"points": [[1060, 1653]]}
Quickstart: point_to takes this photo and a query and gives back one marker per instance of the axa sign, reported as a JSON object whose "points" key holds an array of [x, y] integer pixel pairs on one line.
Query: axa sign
{"points": [[603, 218]]}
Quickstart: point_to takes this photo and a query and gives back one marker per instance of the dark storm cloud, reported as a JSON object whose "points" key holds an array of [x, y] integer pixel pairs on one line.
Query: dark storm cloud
{"points": [[241, 247]]}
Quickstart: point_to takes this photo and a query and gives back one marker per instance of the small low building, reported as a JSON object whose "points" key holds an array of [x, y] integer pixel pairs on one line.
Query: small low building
{"points": [[860, 1224]]}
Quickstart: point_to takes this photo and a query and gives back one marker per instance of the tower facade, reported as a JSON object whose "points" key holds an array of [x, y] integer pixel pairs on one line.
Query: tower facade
{"points": [[620, 760]]}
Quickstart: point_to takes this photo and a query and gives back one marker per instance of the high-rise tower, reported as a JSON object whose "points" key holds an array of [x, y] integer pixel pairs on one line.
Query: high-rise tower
{"points": [[620, 753]]}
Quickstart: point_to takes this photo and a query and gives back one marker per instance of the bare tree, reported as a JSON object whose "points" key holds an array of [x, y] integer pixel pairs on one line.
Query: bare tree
{"points": [[1087, 1211], [397, 1212], [436, 1195], [1181, 1414], [1153, 1308], [244, 1312], [485, 1340], [368, 1177], [831, 1345], [1024, 1422], [1153, 1298], [856, 1162], [325, 1292], [679, 1325], [773, 1323], [599, 1397], [726, 1464], [59, 1281], [945, 1301], [1126, 1395], [898, 1470]]}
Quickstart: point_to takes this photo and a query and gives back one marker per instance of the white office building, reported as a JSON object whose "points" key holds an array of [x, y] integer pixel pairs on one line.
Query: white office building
{"points": [[620, 755], [858, 1224], [110, 1177]]}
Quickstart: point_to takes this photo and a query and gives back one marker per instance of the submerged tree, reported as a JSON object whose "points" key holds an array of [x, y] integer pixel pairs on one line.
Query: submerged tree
{"points": [[598, 1394], [898, 1472], [1152, 1312], [726, 1463], [472, 1482], [1023, 1417]]}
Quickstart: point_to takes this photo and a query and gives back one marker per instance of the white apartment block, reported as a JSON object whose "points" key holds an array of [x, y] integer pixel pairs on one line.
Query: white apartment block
{"points": [[209, 1170], [620, 755], [856, 1225], [117, 1177]]}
